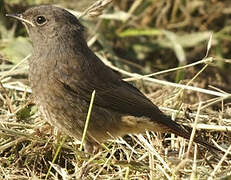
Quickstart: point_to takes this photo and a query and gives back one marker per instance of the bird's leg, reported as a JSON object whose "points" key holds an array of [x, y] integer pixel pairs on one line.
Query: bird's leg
{"points": [[91, 147]]}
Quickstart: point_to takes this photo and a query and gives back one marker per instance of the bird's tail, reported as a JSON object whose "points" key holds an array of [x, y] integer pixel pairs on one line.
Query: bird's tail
{"points": [[185, 132]]}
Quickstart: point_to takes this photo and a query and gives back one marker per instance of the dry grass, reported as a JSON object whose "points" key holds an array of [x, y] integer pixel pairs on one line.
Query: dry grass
{"points": [[32, 149], [28, 146]]}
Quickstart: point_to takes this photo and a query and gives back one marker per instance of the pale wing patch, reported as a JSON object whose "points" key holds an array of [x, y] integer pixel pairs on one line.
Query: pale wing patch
{"points": [[141, 124]]}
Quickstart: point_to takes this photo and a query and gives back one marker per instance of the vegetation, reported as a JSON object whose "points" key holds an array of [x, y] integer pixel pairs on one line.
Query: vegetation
{"points": [[185, 44]]}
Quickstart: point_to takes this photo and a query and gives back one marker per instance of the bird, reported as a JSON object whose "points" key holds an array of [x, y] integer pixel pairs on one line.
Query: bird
{"points": [[63, 73]]}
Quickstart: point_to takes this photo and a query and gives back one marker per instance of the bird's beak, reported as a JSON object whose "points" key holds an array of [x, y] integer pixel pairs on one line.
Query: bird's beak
{"points": [[20, 18]]}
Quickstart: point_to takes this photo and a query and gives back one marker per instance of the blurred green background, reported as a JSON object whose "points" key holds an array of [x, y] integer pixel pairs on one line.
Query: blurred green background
{"points": [[139, 36], [142, 36]]}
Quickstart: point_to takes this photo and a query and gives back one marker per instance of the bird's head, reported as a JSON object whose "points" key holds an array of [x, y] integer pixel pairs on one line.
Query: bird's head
{"points": [[46, 23]]}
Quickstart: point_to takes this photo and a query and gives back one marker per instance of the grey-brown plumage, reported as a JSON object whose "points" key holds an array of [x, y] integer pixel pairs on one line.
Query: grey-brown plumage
{"points": [[63, 73]]}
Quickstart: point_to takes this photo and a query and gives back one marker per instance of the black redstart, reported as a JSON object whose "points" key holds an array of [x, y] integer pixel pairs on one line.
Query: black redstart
{"points": [[63, 73]]}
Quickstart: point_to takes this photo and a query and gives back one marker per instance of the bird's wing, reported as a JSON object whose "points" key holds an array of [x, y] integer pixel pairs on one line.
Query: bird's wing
{"points": [[111, 91], [115, 94]]}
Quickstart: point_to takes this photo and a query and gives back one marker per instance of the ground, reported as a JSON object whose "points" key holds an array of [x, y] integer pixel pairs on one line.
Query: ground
{"points": [[185, 43]]}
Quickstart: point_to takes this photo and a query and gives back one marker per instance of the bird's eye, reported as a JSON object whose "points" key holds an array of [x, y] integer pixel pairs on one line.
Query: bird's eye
{"points": [[40, 20]]}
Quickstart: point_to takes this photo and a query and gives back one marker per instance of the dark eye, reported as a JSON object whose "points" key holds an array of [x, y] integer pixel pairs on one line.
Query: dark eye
{"points": [[40, 20]]}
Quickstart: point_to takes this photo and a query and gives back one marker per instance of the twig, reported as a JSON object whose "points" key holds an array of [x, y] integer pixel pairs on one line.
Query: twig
{"points": [[211, 127], [8, 101], [17, 88], [193, 130], [55, 156], [207, 60], [182, 163], [87, 120], [96, 8], [150, 148], [219, 164], [192, 88]]}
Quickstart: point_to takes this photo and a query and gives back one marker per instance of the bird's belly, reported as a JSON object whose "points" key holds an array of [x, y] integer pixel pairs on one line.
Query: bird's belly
{"points": [[69, 114]]}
